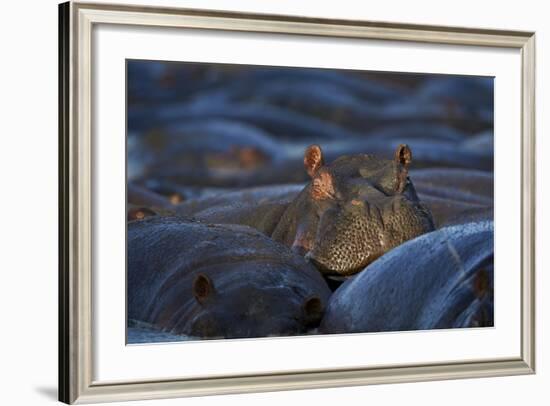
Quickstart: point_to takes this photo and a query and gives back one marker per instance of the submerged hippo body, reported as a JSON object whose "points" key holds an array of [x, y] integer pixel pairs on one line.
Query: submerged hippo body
{"points": [[213, 281], [350, 213], [211, 149], [442, 279]]}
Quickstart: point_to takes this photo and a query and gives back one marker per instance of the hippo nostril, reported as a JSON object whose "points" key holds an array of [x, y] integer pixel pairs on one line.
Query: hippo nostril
{"points": [[312, 310]]}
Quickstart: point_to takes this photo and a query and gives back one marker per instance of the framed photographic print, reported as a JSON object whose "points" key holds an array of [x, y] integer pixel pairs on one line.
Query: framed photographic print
{"points": [[264, 202]]}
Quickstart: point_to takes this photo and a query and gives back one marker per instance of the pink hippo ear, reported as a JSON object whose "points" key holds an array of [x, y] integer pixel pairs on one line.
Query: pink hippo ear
{"points": [[313, 159], [139, 213], [202, 287], [403, 155], [403, 158]]}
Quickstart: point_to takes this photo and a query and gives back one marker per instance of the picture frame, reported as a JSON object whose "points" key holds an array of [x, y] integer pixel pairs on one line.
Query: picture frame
{"points": [[76, 214]]}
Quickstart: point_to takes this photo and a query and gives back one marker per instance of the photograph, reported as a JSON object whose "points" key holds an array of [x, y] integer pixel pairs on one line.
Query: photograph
{"points": [[276, 201]]}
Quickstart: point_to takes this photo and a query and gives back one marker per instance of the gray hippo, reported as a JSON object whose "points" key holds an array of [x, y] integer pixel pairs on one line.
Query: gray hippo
{"points": [[442, 279], [447, 211], [468, 185], [350, 213], [455, 195], [142, 202], [140, 196], [219, 281], [216, 148]]}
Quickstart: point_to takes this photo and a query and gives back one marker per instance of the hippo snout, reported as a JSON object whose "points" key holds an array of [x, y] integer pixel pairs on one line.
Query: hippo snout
{"points": [[350, 239]]}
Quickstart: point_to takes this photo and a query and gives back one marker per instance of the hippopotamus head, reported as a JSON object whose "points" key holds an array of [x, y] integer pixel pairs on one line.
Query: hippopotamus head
{"points": [[354, 210], [268, 308], [250, 298]]}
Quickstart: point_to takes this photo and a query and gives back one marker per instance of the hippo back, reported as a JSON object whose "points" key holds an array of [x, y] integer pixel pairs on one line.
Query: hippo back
{"points": [[219, 281]]}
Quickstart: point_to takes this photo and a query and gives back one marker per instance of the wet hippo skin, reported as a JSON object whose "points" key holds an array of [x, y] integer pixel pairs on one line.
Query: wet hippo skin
{"points": [[219, 281], [442, 279]]}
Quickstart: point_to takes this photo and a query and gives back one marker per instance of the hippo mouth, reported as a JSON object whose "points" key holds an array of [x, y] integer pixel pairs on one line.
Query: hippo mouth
{"points": [[348, 241], [346, 244], [339, 264]]}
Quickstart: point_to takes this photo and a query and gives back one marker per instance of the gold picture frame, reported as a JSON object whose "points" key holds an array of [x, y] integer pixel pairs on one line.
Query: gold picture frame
{"points": [[76, 21]]}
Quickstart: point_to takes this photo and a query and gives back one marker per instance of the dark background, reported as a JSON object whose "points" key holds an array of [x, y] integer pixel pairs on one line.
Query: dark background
{"points": [[196, 129]]}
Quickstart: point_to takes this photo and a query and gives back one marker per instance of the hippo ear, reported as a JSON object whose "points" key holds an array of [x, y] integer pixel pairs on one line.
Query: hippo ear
{"points": [[175, 198], [313, 310], [139, 213], [403, 155], [202, 287], [313, 159]]}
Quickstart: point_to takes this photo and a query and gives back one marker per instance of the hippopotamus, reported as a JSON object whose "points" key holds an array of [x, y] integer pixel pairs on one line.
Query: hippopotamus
{"points": [[142, 202], [177, 193], [446, 211], [247, 199], [219, 281], [363, 87], [159, 82], [134, 212], [331, 95], [463, 102], [460, 184], [470, 98], [215, 147], [442, 279], [350, 212], [455, 195], [140, 196]]}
